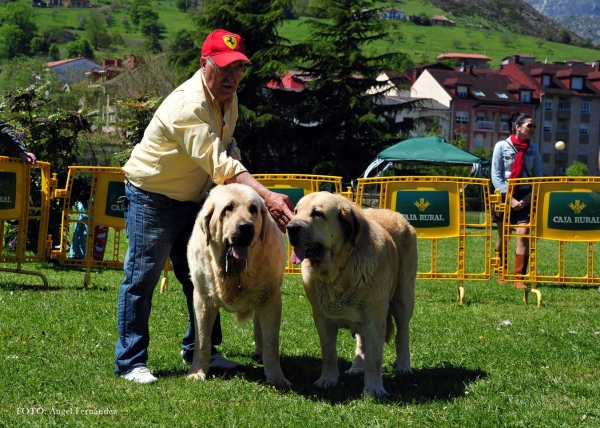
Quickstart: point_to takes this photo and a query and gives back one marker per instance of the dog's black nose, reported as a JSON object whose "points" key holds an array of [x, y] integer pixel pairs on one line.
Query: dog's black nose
{"points": [[244, 233], [292, 230]]}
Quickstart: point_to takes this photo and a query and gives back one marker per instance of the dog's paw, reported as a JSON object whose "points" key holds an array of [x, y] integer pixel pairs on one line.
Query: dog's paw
{"points": [[376, 391], [325, 383], [196, 376], [281, 382], [355, 371], [402, 368]]}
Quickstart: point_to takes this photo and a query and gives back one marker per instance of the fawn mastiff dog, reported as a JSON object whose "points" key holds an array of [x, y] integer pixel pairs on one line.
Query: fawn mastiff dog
{"points": [[359, 269], [237, 257]]}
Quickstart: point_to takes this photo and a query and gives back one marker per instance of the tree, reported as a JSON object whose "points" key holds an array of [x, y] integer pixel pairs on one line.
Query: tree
{"points": [[17, 30], [564, 36], [577, 169], [79, 48], [349, 122], [51, 133], [54, 52], [96, 32]]}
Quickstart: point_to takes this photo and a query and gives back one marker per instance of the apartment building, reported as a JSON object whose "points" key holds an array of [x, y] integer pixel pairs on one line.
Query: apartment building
{"points": [[568, 95], [479, 101]]}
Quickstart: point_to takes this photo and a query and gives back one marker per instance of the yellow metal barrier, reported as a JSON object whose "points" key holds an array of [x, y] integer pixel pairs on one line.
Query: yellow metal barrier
{"points": [[296, 186], [440, 208], [25, 209], [100, 213], [565, 221], [101, 216]]}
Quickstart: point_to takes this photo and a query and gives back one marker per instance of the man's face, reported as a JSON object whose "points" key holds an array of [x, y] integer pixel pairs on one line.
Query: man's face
{"points": [[222, 81]]}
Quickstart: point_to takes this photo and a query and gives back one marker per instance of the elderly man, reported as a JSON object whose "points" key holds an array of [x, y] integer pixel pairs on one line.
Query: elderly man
{"points": [[187, 147]]}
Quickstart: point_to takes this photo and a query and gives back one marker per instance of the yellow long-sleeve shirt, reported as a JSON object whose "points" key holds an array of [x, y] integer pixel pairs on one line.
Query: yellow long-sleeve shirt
{"points": [[185, 147]]}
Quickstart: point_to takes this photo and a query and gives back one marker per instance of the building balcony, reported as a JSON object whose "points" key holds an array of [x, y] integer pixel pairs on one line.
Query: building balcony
{"points": [[585, 118], [563, 113], [486, 125], [547, 115], [562, 134], [584, 138]]}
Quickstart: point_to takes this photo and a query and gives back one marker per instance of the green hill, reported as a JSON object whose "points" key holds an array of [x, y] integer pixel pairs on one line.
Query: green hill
{"points": [[480, 28]]}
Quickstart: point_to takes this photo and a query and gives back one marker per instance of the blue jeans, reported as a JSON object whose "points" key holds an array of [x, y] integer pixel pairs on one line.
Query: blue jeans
{"points": [[157, 227]]}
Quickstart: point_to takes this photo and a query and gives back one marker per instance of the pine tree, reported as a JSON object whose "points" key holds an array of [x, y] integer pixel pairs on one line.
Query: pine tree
{"points": [[344, 103]]}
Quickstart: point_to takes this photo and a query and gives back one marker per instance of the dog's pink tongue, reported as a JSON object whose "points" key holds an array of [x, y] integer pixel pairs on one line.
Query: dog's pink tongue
{"points": [[240, 252], [297, 255]]}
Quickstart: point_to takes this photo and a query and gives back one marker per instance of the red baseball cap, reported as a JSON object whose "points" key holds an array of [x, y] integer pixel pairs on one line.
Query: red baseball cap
{"points": [[224, 47]]}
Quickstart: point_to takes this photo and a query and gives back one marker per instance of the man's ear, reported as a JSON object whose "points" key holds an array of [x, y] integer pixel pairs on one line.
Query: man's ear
{"points": [[349, 222]]}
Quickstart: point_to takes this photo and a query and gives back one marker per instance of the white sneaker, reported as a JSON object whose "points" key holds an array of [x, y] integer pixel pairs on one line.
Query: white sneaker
{"points": [[217, 361], [140, 375], [186, 362]]}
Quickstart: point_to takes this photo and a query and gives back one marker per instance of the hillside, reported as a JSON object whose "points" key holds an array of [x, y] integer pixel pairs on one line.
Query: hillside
{"points": [[496, 28], [516, 16], [579, 16]]}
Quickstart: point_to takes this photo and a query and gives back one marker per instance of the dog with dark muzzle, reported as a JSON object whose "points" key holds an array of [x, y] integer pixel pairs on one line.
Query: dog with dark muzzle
{"points": [[359, 269], [237, 257]]}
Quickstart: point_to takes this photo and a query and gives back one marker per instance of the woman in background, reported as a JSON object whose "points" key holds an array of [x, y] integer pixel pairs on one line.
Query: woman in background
{"points": [[516, 157]]}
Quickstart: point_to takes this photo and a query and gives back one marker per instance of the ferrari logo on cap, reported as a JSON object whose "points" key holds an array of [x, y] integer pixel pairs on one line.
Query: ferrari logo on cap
{"points": [[230, 41]]}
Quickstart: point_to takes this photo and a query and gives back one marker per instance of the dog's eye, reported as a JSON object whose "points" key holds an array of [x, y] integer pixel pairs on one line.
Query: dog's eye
{"points": [[228, 208], [316, 213], [253, 209]]}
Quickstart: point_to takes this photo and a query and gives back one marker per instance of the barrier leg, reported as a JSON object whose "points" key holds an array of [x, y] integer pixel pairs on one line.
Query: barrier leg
{"points": [[164, 282], [27, 272], [536, 292], [461, 292]]}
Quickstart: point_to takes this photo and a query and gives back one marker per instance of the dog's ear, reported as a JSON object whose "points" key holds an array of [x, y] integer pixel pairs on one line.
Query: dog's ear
{"points": [[264, 213], [208, 213], [349, 222]]}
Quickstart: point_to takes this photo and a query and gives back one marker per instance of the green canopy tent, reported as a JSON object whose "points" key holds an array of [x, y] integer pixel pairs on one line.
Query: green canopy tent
{"points": [[427, 150]]}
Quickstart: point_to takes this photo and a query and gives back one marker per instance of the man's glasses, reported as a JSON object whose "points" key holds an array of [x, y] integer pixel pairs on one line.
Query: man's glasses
{"points": [[222, 71], [529, 125]]}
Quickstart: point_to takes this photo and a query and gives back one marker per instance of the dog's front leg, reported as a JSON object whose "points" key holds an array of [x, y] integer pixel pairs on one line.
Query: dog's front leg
{"points": [[373, 336], [204, 317], [269, 324], [328, 332], [358, 366]]}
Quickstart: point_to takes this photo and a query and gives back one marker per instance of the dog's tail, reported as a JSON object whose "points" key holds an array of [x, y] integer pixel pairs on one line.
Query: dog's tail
{"points": [[243, 315], [389, 328]]}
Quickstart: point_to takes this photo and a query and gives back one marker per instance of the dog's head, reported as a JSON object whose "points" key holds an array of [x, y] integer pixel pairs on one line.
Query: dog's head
{"points": [[233, 215], [325, 226]]}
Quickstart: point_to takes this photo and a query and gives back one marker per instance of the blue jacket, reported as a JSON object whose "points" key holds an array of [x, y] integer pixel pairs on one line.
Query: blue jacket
{"points": [[504, 157], [9, 140]]}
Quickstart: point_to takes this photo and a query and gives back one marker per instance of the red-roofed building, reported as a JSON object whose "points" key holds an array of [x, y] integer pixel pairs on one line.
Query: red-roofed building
{"points": [[289, 82], [467, 59], [569, 99], [479, 103], [441, 20]]}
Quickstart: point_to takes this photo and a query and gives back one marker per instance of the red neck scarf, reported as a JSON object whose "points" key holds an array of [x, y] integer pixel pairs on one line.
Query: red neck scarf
{"points": [[521, 147]]}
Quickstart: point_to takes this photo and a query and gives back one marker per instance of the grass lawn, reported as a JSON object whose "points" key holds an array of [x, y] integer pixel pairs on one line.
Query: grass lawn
{"points": [[493, 361]]}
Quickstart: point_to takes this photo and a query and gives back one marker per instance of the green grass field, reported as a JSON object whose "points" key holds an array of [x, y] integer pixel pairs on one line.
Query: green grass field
{"points": [[493, 361]]}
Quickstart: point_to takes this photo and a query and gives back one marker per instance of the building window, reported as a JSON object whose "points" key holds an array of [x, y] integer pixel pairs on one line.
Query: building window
{"points": [[547, 126], [548, 105], [461, 91], [583, 129], [479, 93], [478, 140], [546, 80], [577, 83], [502, 95], [525, 96], [585, 107], [462, 117]]}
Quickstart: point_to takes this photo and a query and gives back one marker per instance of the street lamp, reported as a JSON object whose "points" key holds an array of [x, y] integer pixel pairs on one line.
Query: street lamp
{"points": [[559, 146]]}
